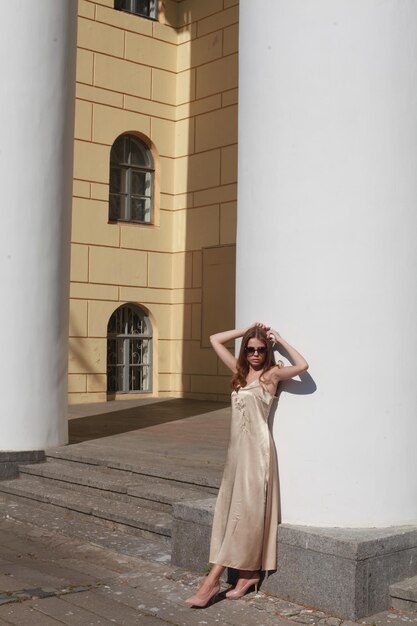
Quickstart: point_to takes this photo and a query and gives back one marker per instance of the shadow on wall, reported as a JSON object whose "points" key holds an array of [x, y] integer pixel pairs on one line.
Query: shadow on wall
{"points": [[304, 386], [207, 114], [86, 361]]}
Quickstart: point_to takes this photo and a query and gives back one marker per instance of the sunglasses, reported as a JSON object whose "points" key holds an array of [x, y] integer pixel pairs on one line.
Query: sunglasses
{"points": [[261, 350]]}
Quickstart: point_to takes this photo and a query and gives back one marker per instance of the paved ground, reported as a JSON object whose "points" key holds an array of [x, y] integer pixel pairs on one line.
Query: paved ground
{"points": [[57, 570], [47, 579]]}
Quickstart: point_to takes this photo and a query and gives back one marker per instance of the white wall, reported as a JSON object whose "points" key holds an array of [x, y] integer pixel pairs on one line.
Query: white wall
{"points": [[37, 66], [327, 252]]}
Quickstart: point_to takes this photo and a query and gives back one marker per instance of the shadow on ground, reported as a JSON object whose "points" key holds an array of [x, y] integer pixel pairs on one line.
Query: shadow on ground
{"points": [[137, 417]]}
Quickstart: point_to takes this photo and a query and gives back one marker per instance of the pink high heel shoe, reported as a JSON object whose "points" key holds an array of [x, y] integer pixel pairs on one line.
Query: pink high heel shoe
{"points": [[235, 594], [205, 600]]}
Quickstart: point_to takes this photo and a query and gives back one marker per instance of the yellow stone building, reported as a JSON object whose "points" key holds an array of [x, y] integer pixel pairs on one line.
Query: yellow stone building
{"points": [[154, 207]]}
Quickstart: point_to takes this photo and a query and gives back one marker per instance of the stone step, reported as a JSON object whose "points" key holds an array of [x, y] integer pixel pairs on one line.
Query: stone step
{"points": [[78, 526], [201, 474], [404, 594], [98, 507], [155, 493]]}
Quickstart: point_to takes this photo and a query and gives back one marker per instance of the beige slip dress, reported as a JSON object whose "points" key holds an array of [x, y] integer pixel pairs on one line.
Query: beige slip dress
{"points": [[245, 521]]}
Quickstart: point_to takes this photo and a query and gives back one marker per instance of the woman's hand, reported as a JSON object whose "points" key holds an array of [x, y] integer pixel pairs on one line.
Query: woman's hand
{"points": [[264, 327], [273, 336]]}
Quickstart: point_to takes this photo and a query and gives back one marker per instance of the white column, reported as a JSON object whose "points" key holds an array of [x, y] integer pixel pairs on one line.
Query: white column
{"points": [[327, 245], [37, 61]]}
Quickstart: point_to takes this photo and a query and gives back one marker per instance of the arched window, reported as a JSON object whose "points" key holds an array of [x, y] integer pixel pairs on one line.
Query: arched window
{"points": [[131, 180], [129, 351]]}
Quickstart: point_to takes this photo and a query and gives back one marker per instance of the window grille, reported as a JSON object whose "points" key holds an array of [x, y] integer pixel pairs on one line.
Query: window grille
{"points": [[145, 8], [129, 351]]}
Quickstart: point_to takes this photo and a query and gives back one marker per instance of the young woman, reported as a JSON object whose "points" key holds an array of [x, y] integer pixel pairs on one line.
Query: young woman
{"points": [[246, 515]]}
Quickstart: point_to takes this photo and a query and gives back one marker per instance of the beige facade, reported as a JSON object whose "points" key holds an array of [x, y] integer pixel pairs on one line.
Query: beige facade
{"points": [[173, 83]]}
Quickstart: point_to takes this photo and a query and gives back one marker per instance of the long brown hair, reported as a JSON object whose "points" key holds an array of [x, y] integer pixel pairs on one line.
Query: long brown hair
{"points": [[242, 365]]}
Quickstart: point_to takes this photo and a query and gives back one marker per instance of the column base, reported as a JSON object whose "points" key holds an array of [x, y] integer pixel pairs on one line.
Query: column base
{"points": [[343, 571], [9, 461]]}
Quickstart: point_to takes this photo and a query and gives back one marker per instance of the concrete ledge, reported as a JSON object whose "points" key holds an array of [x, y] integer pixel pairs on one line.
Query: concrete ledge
{"points": [[191, 532], [9, 461], [350, 543], [343, 571]]}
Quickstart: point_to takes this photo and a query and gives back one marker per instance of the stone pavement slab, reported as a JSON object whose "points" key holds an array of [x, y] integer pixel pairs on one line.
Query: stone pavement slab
{"points": [[92, 569], [25, 615], [68, 613], [45, 574], [10, 583], [391, 617], [117, 613]]}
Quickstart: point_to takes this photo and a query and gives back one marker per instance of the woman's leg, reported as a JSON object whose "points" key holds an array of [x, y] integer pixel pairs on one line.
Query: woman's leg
{"points": [[247, 579], [210, 587], [245, 575]]}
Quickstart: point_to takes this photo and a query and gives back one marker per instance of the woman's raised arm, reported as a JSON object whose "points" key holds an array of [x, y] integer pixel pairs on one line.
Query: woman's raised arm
{"points": [[299, 364], [219, 339]]}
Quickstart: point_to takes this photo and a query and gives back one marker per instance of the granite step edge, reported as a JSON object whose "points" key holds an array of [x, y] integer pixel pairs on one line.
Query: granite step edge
{"points": [[100, 507], [404, 605], [405, 590], [73, 524], [155, 503], [91, 476], [134, 486], [199, 475]]}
